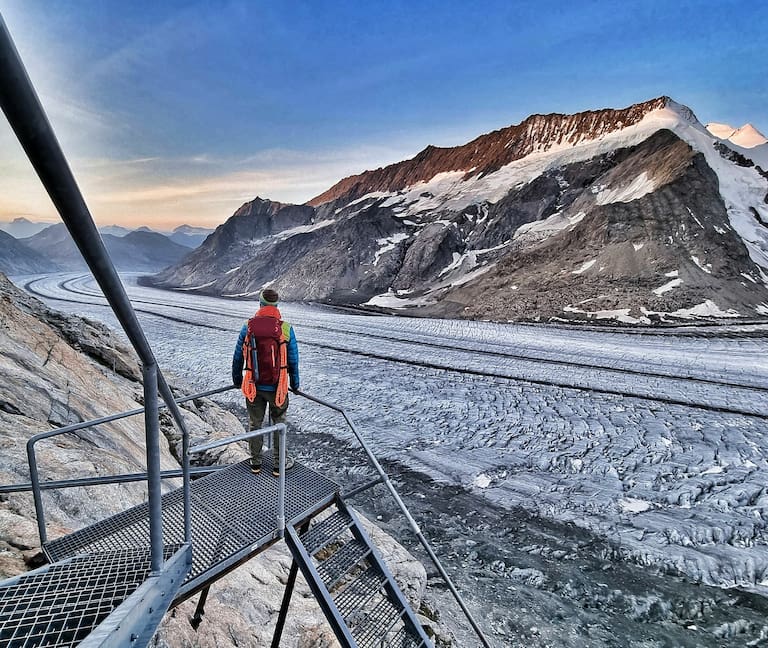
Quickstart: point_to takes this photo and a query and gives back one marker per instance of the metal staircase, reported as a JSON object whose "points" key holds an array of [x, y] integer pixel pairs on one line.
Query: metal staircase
{"points": [[356, 591]]}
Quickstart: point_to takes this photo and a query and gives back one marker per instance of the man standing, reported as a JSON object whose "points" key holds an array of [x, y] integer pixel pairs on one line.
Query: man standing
{"points": [[268, 349]]}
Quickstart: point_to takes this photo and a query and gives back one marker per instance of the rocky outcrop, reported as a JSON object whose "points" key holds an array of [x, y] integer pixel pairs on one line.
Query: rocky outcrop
{"points": [[57, 369], [238, 240]]}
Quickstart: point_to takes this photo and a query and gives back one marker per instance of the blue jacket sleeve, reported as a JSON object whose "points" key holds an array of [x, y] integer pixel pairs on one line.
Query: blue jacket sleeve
{"points": [[237, 358], [293, 360]]}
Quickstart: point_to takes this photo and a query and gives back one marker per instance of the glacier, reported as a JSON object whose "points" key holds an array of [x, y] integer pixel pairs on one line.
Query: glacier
{"points": [[653, 443]]}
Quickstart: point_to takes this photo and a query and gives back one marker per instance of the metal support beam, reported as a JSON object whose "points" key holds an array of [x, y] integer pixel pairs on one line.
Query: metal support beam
{"points": [[27, 117], [287, 595], [154, 484], [197, 617], [56, 484]]}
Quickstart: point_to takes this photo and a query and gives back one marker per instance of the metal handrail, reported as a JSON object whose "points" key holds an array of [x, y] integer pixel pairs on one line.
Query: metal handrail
{"points": [[126, 478], [34, 472], [384, 478], [282, 430]]}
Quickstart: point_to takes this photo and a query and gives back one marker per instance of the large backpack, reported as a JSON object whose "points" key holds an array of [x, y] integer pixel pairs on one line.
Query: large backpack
{"points": [[265, 335]]}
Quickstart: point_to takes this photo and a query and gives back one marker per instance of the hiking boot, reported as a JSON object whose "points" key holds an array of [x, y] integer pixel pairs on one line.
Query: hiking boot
{"points": [[289, 463], [255, 468]]}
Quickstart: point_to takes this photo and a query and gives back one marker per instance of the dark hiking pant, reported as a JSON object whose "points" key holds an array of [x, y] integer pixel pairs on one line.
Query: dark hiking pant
{"points": [[256, 411]]}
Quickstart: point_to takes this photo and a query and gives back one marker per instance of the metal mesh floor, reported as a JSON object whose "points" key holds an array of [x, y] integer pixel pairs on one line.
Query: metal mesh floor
{"points": [[233, 514], [63, 604]]}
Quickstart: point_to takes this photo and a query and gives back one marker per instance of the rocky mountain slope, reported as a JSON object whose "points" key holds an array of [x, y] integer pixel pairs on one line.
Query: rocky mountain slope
{"points": [[57, 369], [17, 258], [639, 215], [140, 251]]}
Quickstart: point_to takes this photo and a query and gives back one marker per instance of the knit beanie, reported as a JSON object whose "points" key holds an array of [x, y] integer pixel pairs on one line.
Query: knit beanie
{"points": [[268, 297]]}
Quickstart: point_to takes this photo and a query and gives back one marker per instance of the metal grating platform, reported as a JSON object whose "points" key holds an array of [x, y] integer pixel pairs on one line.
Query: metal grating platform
{"points": [[60, 605], [233, 516]]}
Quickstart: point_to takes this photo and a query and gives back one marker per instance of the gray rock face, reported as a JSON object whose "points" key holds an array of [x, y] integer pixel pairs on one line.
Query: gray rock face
{"points": [[57, 369], [680, 231]]}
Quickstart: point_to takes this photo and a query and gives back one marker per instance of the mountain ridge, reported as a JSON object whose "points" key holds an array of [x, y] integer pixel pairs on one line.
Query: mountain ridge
{"points": [[489, 152], [143, 251], [420, 235]]}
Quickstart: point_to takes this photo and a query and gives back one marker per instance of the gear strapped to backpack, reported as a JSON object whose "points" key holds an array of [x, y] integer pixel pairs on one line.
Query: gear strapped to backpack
{"points": [[265, 355]]}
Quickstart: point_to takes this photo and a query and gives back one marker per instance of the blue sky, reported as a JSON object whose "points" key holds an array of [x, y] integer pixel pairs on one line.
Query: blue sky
{"points": [[177, 112]]}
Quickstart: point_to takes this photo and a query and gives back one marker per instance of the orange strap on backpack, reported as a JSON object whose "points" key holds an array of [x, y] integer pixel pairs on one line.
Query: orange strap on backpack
{"points": [[282, 384], [249, 384]]}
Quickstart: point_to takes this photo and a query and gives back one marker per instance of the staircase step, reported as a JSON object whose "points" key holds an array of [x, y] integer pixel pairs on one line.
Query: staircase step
{"points": [[333, 569], [324, 533], [373, 628], [356, 590], [360, 592]]}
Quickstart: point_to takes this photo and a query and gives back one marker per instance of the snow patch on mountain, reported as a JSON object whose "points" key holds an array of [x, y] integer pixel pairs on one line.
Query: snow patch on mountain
{"points": [[388, 244], [302, 229], [618, 314], [586, 266], [640, 186], [706, 267], [667, 286]]}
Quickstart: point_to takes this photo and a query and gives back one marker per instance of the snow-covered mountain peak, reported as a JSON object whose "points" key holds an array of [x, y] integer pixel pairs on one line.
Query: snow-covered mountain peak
{"points": [[486, 154], [683, 111], [721, 131], [746, 137], [603, 205]]}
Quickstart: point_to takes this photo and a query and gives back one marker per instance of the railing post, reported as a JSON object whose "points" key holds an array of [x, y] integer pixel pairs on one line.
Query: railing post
{"points": [[167, 394], [281, 485], [34, 478], [152, 433]]}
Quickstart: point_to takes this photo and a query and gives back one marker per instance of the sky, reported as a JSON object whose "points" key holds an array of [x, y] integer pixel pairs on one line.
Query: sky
{"points": [[178, 112]]}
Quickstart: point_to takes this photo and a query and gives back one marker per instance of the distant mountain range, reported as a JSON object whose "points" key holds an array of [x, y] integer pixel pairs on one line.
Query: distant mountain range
{"points": [[185, 235], [53, 249], [22, 227], [636, 215], [49, 248]]}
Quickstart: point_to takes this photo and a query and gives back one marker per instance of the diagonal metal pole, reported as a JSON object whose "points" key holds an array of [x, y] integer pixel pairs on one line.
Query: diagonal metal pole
{"points": [[27, 117]]}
